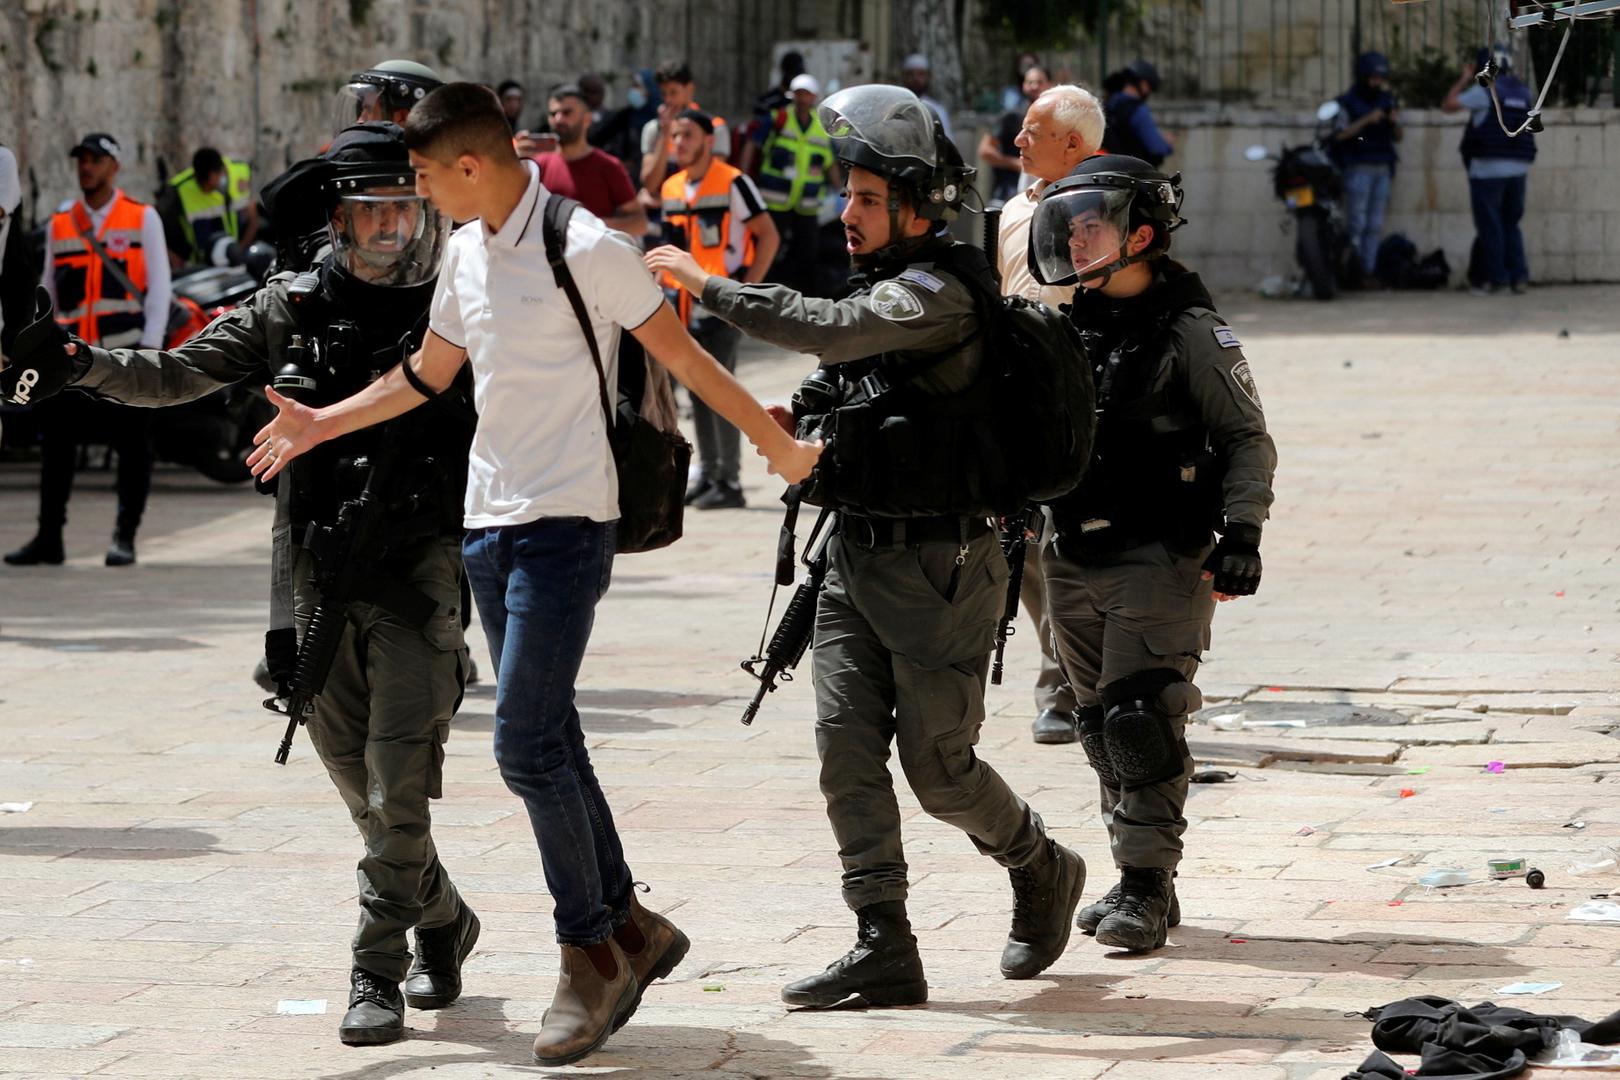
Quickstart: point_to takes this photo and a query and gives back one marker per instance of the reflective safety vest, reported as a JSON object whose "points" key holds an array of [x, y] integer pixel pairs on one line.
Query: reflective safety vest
{"points": [[207, 215], [796, 163], [90, 301], [702, 226]]}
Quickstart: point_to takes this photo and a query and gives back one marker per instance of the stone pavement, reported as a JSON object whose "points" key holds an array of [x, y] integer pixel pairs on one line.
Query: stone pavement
{"points": [[1443, 569]]}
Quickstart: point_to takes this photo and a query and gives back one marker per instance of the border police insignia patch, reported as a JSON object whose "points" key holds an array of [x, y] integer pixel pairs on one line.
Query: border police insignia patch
{"points": [[1244, 378], [896, 302], [1227, 338]]}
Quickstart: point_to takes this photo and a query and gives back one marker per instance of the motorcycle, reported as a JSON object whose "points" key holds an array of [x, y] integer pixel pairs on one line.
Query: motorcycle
{"points": [[1311, 187], [213, 434]]}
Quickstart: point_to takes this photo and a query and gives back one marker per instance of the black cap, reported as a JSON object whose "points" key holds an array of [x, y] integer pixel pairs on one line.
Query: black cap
{"points": [[98, 143], [700, 118]]}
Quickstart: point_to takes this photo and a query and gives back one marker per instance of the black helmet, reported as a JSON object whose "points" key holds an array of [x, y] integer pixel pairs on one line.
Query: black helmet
{"points": [[378, 92], [888, 130], [1082, 222], [1144, 72]]}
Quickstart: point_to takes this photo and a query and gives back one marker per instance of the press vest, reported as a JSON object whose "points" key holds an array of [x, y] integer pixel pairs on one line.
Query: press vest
{"points": [[1376, 143], [90, 301], [206, 215], [702, 226], [796, 163], [1488, 140]]}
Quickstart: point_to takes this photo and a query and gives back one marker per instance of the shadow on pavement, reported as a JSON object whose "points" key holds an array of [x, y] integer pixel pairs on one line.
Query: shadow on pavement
{"points": [[115, 843], [640, 1050]]}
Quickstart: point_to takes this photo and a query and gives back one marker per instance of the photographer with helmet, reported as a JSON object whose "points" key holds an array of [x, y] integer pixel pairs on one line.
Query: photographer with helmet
{"points": [[916, 577], [1134, 572], [385, 711]]}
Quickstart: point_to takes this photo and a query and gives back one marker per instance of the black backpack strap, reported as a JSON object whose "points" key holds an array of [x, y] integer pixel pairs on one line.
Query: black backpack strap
{"points": [[554, 232]]}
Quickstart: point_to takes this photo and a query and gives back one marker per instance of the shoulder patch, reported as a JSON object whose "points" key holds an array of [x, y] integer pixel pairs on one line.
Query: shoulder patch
{"points": [[1227, 338], [895, 302], [923, 278], [1243, 378]]}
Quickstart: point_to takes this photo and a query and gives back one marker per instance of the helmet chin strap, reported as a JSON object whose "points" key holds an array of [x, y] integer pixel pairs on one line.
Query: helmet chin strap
{"points": [[1107, 272]]}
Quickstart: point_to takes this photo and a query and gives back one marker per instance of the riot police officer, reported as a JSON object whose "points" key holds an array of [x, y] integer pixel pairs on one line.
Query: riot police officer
{"points": [[1181, 453], [380, 724], [385, 92], [916, 576]]}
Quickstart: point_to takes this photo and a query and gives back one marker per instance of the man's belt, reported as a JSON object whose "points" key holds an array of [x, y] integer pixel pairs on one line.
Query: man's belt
{"points": [[869, 533]]}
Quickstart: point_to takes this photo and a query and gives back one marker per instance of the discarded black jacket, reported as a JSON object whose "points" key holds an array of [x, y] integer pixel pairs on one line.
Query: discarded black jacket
{"points": [[1485, 1042]]}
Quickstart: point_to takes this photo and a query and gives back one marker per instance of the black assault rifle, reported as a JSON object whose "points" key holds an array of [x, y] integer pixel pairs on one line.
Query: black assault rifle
{"points": [[346, 570], [1015, 539], [777, 660]]}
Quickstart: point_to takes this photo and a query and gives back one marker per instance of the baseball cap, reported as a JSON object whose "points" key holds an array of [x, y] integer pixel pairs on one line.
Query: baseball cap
{"points": [[805, 82], [98, 143]]}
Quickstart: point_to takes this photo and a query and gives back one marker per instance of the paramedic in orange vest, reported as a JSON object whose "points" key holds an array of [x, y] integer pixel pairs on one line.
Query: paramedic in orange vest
{"points": [[714, 211], [117, 297], [679, 92]]}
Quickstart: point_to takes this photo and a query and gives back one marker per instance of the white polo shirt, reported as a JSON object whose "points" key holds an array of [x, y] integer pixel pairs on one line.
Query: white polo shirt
{"points": [[541, 446]]}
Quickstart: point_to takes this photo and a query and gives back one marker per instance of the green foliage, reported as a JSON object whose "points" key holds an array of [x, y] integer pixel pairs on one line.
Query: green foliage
{"points": [[1419, 76], [47, 27], [359, 11], [90, 68], [445, 50]]}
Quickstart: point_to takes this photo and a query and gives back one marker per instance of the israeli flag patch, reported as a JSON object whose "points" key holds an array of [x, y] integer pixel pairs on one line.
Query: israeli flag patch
{"points": [[923, 278], [1227, 338]]}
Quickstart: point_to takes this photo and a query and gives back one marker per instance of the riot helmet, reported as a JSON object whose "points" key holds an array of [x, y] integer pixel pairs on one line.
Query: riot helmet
{"points": [[1083, 223], [360, 196], [1144, 72], [888, 130], [1372, 65], [379, 92]]}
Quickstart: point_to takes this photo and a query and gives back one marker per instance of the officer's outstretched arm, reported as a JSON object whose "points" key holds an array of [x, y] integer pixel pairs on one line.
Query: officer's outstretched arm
{"points": [[298, 429], [667, 341], [895, 316], [228, 350]]}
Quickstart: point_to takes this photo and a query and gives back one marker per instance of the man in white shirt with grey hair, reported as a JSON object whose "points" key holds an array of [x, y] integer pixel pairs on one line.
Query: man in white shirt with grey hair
{"points": [[1062, 128], [542, 501]]}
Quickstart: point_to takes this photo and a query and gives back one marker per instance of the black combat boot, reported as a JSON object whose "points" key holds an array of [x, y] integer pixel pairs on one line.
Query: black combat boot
{"points": [[376, 1011], [883, 967], [45, 549], [1094, 913], [1140, 921], [1055, 726], [122, 550], [1045, 894], [434, 980]]}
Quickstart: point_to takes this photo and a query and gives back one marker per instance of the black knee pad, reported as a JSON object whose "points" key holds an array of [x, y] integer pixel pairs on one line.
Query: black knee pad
{"points": [[1094, 744], [1138, 731]]}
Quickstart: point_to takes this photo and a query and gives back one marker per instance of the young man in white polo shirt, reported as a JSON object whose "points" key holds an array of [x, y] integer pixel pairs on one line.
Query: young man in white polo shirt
{"points": [[542, 499]]}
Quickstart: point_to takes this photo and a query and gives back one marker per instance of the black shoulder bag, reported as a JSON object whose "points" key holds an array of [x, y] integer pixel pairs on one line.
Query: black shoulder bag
{"points": [[651, 459]]}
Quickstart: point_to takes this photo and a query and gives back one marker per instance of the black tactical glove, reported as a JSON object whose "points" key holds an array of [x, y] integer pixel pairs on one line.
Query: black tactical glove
{"points": [[281, 656], [1235, 562], [38, 365]]}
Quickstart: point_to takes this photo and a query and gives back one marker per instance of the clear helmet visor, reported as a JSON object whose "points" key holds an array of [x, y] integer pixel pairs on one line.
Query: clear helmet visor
{"points": [[888, 119], [390, 237], [357, 102], [1075, 233]]}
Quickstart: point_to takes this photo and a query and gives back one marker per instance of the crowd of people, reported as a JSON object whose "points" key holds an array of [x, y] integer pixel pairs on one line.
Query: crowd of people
{"points": [[403, 363]]}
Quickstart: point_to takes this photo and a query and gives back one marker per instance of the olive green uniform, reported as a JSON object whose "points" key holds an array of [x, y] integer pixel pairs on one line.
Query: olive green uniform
{"points": [[903, 628], [1120, 606], [380, 724]]}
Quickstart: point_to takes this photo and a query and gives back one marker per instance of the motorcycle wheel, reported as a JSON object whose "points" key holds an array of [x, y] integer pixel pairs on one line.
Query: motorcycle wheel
{"points": [[226, 462], [1314, 249]]}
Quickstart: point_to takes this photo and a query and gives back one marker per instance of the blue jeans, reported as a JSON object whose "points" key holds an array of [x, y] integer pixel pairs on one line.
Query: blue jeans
{"points": [[537, 585], [1498, 209], [1366, 196]]}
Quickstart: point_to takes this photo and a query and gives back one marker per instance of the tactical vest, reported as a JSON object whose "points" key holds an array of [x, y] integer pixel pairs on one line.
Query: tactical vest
{"points": [[90, 300], [1376, 143], [1488, 140], [349, 346], [1118, 135], [207, 215], [1153, 474], [702, 226], [896, 451], [796, 163]]}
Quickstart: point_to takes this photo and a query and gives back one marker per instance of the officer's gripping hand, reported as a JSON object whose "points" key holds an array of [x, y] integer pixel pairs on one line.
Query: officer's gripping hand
{"points": [[1234, 565], [293, 432], [42, 359], [679, 265]]}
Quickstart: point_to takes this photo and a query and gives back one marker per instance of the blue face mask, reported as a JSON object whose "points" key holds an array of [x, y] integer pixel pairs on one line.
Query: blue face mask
{"points": [[636, 97]]}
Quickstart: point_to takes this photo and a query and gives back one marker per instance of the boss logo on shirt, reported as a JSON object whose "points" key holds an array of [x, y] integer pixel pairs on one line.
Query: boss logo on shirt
{"points": [[533, 300]]}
